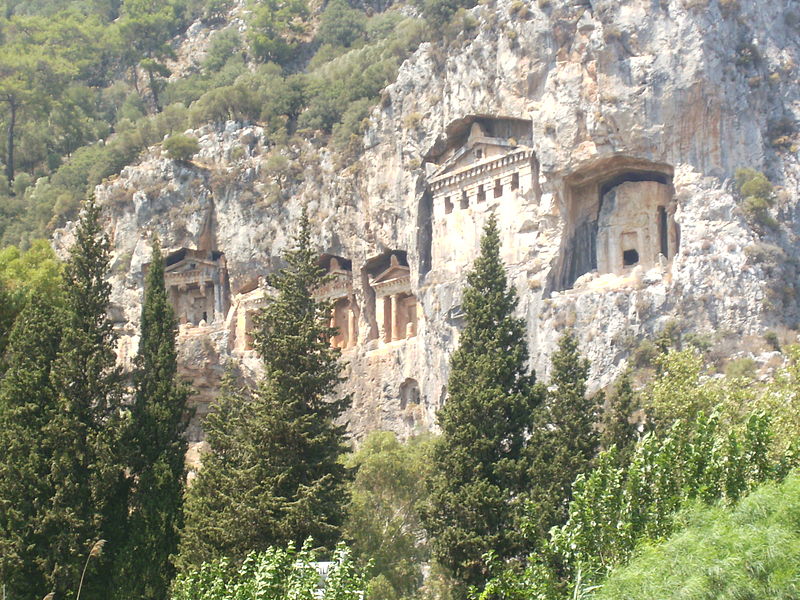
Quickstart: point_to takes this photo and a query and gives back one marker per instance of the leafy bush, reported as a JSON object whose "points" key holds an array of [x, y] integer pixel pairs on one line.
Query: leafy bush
{"points": [[356, 76], [751, 551], [758, 197], [181, 147], [276, 574], [341, 25], [276, 27], [382, 517], [223, 45]]}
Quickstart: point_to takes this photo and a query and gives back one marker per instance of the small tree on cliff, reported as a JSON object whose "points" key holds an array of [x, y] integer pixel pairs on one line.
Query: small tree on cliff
{"points": [[276, 459], [480, 468], [157, 449]]}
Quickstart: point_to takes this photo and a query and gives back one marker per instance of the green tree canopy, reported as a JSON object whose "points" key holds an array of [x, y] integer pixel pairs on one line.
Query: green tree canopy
{"points": [[479, 470], [749, 551], [27, 405], [156, 449], [275, 474], [564, 441], [382, 520], [87, 469]]}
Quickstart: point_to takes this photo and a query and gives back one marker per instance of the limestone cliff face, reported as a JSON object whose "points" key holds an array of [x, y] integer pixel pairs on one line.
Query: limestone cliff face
{"points": [[604, 135]]}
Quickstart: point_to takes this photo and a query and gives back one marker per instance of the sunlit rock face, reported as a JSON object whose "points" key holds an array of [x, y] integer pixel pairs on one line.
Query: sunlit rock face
{"points": [[603, 135]]}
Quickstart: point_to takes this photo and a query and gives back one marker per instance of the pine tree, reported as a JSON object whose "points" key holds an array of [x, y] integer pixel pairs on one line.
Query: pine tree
{"points": [[87, 475], [479, 467], [278, 461], [27, 404], [157, 449], [618, 430], [564, 439]]}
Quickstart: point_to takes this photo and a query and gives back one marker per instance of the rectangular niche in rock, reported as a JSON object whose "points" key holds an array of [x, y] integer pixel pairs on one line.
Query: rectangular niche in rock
{"points": [[620, 215]]}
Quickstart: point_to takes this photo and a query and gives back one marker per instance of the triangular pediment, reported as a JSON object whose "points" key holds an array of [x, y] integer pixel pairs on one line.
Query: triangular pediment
{"points": [[475, 152], [189, 264], [393, 272]]}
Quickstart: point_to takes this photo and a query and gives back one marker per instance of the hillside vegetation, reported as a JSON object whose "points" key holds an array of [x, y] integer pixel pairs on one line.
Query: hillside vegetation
{"points": [[87, 85]]}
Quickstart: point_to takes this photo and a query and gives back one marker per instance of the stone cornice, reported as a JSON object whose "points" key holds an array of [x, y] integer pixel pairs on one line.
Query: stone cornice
{"points": [[393, 286], [479, 171]]}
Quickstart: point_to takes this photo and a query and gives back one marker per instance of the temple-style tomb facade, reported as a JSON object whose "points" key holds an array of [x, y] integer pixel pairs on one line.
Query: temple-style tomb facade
{"points": [[197, 284]]}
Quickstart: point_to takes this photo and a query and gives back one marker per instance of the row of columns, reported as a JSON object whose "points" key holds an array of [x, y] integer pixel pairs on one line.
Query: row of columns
{"points": [[392, 327]]}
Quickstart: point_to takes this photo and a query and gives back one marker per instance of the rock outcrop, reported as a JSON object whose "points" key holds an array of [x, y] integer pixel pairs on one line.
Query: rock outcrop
{"points": [[604, 135]]}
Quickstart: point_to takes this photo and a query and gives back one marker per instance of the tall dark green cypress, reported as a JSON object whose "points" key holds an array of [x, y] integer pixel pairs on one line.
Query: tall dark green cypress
{"points": [[618, 430], [564, 439], [87, 473], [283, 477], [157, 449], [27, 404], [480, 468]]}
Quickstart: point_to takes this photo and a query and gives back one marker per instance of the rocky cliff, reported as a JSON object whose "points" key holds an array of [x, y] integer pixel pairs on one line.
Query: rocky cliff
{"points": [[604, 135]]}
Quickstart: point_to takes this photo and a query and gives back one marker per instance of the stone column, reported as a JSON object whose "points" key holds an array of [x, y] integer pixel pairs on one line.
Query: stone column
{"points": [[352, 332], [217, 300], [382, 329], [396, 333]]}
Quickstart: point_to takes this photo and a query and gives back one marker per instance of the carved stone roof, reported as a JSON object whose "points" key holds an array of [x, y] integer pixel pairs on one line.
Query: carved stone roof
{"points": [[395, 271], [461, 176]]}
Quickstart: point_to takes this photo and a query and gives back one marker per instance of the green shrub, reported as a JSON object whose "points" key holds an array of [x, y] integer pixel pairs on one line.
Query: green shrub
{"points": [[750, 551], [223, 45], [181, 147], [276, 573], [382, 517], [341, 25], [758, 197], [771, 338], [741, 367]]}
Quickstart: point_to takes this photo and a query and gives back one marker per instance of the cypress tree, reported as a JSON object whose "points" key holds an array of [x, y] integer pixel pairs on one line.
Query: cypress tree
{"points": [[280, 464], [564, 439], [617, 427], [87, 475], [157, 449], [27, 404], [480, 467]]}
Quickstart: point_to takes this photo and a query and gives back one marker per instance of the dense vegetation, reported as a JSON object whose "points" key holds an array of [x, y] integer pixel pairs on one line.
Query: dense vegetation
{"points": [[749, 551], [85, 87], [80, 476], [529, 493], [274, 475]]}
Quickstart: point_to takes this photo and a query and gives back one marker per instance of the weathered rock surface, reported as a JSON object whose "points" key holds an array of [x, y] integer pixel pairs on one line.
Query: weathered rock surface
{"points": [[678, 91]]}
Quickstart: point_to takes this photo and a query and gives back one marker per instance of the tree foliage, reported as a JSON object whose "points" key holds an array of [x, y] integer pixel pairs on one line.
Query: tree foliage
{"points": [[618, 428], [27, 405], [751, 550], [479, 469], [564, 439], [274, 574], [87, 471], [382, 522], [275, 473], [156, 449], [341, 25]]}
